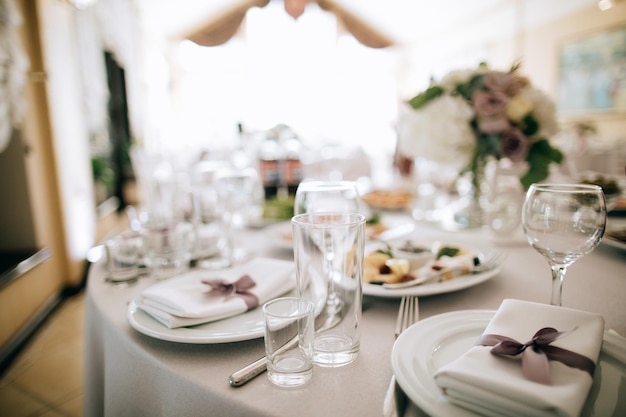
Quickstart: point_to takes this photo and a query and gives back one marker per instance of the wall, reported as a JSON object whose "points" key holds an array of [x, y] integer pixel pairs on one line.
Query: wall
{"points": [[540, 48], [28, 299], [484, 39], [16, 222], [70, 136], [48, 177]]}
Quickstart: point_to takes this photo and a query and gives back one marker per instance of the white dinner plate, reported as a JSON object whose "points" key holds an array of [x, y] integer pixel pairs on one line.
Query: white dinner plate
{"points": [[457, 283], [436, 287], [241, 327], [434, 342], [280, 234]]}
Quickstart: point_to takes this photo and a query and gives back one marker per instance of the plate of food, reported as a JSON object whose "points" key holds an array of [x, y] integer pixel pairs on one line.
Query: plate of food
{"points": [[422, 269], [396, 199], [610, 186], [615, 238]]}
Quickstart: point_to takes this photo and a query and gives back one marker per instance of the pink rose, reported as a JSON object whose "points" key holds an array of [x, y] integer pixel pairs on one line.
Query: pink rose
{"points": [[493, 125], [489, 104], [514, 145]]}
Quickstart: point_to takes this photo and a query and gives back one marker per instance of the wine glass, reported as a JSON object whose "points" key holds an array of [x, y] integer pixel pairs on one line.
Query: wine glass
{"points": [[563, 222], [206, 214], [236, 191], [327, 196]]}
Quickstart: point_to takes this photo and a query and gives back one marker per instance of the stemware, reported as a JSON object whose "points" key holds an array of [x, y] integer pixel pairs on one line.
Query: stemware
{"points": [[563, 222], [207, 214], [327, 196], [236, 191]]}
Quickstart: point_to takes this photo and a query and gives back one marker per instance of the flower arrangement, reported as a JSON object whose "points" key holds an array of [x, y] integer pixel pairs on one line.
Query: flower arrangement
{"points": [[473, 116]]}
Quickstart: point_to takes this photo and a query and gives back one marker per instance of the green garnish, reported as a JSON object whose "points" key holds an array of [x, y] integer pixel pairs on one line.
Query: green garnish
{"points": [[387, 251], [447, 251], [375, 219], [609, 185]]}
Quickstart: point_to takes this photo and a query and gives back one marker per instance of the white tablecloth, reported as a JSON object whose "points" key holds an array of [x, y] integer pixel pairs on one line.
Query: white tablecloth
{"points": [[130, 374]]}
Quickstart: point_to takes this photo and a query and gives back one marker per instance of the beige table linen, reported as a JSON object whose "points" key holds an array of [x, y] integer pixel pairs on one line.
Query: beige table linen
{"points": [[130, 374]]}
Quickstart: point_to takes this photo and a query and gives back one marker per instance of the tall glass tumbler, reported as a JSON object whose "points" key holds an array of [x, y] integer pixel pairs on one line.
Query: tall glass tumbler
{"points": [[328, 251]]}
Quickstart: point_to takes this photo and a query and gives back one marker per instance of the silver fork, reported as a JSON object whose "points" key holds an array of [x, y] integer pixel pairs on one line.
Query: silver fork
{"points": [[395, 398], [491, 261]]}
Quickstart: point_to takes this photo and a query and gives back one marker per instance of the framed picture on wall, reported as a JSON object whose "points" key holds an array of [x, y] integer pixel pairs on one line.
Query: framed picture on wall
{"points": [[592, 73]]}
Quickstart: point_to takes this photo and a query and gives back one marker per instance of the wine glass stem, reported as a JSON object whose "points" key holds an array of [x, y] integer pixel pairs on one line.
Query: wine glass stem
{"points": [[230, 237], [558, 274]]}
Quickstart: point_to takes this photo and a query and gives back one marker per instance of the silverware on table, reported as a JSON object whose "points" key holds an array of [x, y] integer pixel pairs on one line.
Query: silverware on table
{"points": [[395, 399]]}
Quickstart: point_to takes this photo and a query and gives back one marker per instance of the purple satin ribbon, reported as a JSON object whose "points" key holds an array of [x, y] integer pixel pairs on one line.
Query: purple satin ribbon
{"points": [[535, 366], [239, 288]]}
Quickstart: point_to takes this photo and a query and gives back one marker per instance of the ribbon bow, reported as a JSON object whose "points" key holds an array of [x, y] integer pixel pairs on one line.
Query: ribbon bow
{"points": [[535, 366], [239, 288]]}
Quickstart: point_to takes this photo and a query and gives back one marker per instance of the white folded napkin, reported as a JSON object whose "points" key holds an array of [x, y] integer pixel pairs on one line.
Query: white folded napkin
{"points": [[186, 301], [495, 386]]}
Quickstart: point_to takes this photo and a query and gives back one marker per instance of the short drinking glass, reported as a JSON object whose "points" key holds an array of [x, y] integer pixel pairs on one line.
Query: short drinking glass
{"points": [[289, 341]]}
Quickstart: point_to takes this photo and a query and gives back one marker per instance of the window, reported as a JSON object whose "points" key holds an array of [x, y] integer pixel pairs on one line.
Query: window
{"points": [[306, 73]]}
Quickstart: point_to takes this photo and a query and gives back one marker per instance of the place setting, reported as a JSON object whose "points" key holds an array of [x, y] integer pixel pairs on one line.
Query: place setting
{"points": [[212, 307], [248, 297], [525, 358], [443, 371], [201, 283]]}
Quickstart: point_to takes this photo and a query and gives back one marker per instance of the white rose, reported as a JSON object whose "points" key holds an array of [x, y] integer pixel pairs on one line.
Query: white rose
{"points": [[457, 77], [439, 131]]}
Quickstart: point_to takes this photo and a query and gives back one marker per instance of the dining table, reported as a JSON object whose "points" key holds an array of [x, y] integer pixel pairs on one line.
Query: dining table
{"points": [[130, 372]]}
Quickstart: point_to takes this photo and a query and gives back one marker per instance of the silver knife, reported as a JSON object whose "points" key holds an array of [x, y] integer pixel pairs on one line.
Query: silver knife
{"points": [[247, 373]]}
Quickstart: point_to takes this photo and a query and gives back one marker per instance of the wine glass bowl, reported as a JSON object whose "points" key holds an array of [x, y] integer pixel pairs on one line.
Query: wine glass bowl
{"points": [[563, 222], [236, 192], [327, 196]]}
